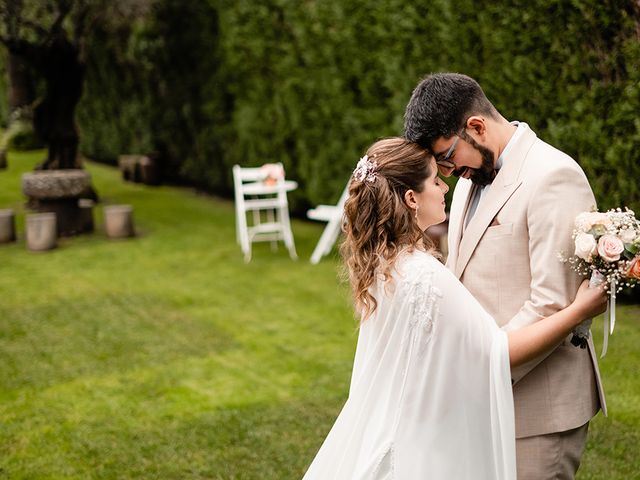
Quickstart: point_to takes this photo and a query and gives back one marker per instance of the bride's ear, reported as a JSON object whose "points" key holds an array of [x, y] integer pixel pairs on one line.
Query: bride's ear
{"points": [[410, 199]]}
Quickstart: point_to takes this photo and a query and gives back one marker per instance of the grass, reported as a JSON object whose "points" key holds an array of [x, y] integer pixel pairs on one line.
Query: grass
{"points": [[166, 357]]}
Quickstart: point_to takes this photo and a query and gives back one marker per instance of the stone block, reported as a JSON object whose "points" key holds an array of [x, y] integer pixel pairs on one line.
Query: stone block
{"points": [[129, 166], [7, 226], [56, 184], [139, 169], [118, 221], [41, 231]]}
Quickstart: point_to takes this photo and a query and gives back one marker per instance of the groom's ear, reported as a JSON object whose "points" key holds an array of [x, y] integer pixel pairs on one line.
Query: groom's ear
{"points": [[477, 127]]}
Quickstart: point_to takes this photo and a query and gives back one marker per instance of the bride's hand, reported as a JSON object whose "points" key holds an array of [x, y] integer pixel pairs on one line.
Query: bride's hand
{"points": [[590, 301]]}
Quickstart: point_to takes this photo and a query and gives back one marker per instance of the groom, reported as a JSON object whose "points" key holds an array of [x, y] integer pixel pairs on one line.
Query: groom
{"points": [[513, 211]]}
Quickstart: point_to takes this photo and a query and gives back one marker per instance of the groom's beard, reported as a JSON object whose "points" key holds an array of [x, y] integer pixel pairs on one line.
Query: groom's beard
{"points": [[485, 173]]}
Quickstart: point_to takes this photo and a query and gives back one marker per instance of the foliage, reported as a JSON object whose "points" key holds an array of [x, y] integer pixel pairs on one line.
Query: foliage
{"points": [[4, 89], [19, 136], [313, 83], [166, 80]]}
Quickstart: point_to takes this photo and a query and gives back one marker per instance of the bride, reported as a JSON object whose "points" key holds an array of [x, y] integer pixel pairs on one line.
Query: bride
{"points": [[430, 394]]}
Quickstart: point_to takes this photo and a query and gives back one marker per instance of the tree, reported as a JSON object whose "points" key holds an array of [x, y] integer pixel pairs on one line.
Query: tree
{"points": [[51, 38]]}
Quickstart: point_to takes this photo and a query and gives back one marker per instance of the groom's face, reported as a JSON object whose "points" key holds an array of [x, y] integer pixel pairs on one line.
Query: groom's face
{"points": [[462, 156]]}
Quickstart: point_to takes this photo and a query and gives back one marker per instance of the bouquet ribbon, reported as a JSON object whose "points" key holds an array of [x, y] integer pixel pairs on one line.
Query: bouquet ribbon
{"points": [[610, 313]]}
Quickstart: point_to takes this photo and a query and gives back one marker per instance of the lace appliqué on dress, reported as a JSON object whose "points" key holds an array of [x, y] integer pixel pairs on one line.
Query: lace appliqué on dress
{"points": [[423, 299]]}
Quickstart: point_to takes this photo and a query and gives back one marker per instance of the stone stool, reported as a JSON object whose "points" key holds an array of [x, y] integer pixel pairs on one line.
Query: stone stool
{"points": [[149, 172], [118, 221], [86, 214], [41, 231], [59, 192], [7, 226], [129, 167], [140, 169]]}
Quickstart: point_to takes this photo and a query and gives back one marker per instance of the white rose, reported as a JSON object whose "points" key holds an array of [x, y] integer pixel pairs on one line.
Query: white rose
{"points": [[583, 222], [628, 235], [585, 246], [587, 220]]}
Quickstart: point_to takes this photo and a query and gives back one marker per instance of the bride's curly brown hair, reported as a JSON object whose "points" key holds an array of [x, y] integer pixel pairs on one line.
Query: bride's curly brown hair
{"points": [[377, 223]]}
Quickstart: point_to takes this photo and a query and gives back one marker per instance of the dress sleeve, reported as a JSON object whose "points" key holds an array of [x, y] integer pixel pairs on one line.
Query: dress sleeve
{"points": [[458, 395], [430, 395]]}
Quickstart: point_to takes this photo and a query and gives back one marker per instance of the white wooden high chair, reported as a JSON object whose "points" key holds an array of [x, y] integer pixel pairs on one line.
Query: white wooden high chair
{"points": [[262, 209]]}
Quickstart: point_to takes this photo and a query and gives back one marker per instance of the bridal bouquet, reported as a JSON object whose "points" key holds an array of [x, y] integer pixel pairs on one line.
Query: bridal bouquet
{"points": [[607, 248]]}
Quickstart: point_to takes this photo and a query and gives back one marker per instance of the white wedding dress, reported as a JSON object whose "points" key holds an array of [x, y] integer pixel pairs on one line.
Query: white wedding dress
{"points": [[430, 394]]}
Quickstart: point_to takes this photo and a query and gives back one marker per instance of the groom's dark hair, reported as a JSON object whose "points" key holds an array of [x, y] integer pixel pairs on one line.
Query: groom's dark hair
{"points": [[441, 104]]}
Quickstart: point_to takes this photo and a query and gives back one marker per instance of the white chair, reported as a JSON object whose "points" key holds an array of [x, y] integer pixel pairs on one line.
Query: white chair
{"points": [[332, 214], [267, 207]]}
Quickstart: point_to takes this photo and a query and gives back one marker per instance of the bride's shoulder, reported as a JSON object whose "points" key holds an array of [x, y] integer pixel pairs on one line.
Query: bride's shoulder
{"points": [[417, 279], [419, 259], [420, 267], [418, 264]]}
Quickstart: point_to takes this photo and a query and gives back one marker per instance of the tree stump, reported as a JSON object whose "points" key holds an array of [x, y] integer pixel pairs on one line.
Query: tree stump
{"points": [[7, 226], [41, 231], [118, 221], [59, 192]]}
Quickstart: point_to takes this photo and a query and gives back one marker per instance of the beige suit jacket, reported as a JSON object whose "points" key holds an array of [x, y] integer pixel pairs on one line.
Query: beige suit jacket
{"points": [[507, 256]]}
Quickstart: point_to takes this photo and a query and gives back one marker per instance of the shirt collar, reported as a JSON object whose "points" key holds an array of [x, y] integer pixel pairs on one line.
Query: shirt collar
{"points": [[521, 127]]}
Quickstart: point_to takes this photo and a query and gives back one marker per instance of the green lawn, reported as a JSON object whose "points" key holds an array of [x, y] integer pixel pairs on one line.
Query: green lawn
{"points": [[166, 357]]}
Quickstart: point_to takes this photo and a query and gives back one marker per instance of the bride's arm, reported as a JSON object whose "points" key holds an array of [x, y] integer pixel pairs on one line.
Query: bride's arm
{"points": [[533, 340]]}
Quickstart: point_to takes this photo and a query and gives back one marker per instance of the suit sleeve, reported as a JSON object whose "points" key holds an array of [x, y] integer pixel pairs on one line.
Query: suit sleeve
{"points": [[560, 195]]}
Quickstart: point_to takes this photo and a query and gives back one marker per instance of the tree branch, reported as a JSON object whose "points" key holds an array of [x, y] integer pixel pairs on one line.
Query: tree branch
{"points": [[38, 29], [12, 14], [19, 46], [81, 24], [64, 7]]}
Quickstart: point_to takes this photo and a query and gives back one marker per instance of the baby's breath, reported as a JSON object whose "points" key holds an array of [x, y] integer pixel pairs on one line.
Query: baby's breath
{"points": [[619, 223]]}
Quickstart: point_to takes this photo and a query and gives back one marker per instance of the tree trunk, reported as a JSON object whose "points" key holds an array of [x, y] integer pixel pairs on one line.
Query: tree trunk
{"points": [[54, 117], [21, 90]]}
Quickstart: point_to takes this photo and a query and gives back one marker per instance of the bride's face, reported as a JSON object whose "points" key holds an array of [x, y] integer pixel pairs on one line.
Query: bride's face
{"points": [[430, 202]]}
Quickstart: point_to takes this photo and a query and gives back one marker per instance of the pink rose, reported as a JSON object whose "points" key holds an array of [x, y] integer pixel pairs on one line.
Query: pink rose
{"points": [[634, 269], [610, 247]]}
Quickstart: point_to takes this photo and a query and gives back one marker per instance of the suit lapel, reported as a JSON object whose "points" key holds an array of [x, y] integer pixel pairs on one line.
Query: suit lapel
{"points": [[459, 205], [505, 184]]}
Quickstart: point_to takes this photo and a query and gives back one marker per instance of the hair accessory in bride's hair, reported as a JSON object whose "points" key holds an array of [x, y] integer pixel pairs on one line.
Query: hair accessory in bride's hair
{"points": [[365, 170]]}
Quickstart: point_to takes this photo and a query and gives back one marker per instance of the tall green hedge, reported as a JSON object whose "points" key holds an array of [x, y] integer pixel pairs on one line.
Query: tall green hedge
{"points": [[311, 83]]}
